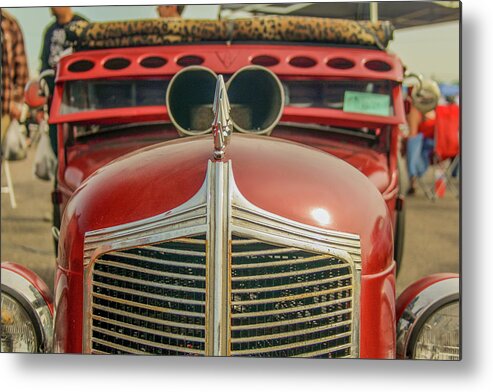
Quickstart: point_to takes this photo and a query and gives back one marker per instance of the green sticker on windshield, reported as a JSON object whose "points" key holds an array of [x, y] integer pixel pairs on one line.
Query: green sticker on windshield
{"points": [[367, 103]]}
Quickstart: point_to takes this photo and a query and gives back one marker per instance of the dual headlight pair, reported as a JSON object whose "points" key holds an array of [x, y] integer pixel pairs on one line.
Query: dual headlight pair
{"points": [[27, 319]]}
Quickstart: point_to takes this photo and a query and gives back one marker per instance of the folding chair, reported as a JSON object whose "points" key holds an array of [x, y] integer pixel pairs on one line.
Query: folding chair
{"points": [[445, 159]]}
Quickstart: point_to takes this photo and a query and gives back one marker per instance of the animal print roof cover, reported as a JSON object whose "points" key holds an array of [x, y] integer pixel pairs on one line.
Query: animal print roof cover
{"points": [[99, 35]]}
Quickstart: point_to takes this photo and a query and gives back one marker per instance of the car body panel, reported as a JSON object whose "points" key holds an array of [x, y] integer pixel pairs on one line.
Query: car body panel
{"points": [[295, 180]]}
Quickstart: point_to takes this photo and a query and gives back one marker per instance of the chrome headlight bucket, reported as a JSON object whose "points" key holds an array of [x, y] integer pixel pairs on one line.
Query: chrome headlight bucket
{"points": [[429, 327], [27, 321]]}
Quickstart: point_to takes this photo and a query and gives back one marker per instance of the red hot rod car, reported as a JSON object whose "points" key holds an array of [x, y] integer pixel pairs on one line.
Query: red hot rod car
{"points": [[269, 233]]}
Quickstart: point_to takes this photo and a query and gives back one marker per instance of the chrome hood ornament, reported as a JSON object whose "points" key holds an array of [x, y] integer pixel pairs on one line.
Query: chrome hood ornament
{"points": [[222, 125]]}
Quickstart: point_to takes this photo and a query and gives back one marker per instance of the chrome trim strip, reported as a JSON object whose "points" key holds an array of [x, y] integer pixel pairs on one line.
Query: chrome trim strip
{"points": [[291, 297], [145, 318], [151, 307], [158, 261], [293, 345], [145, 342], [291, 333], [280, 238], [146, 306], [127, 350], [146, 282], [147, 271], [443, 291], [291, 310], [266, 252], [291, 285], [251, 216], [106, 247], [279, 263], [290, 321], [325, 351], [220, 226], [148, 330], [292, 273], [174, 251]]}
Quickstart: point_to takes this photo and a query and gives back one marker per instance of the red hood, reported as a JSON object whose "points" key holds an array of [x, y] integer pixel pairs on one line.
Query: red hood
{"points": [[84, 161], [372, 164], [282, 177]]}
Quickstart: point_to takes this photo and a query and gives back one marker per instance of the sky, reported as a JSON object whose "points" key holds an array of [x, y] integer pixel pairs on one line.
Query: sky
{"points": [[430, 50]]}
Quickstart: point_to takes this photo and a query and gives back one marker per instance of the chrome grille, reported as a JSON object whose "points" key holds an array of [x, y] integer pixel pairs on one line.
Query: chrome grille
{"points": [[150, 299], [289, 302]]}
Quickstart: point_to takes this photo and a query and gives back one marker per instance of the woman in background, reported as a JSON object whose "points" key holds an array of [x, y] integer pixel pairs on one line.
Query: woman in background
{"points": [[421, 119]]}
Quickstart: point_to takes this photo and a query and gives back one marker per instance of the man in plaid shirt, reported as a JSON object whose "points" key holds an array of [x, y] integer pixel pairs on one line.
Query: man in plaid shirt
{"points": [[14, 70]]}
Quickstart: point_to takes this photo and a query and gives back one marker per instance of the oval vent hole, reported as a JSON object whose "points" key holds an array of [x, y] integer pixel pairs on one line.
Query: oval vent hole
{"points": [[185, 61], [378, 65], [153, 62], [302, 62], [265, 61], [340, 63], [117, 63], [81, 66]]}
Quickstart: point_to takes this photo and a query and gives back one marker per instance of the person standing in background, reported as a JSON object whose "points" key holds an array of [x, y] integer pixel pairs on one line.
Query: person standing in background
{"points": [[421, 121], [54, 44], [54, 36], [15, 73], [170, 11]]}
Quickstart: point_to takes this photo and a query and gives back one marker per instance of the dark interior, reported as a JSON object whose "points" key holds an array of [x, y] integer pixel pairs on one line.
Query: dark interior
{"points": [[190, 100], [255, 91]]}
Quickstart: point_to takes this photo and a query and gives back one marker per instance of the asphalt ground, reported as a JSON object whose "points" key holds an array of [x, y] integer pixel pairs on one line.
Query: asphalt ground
{"points": [[431, 240]]}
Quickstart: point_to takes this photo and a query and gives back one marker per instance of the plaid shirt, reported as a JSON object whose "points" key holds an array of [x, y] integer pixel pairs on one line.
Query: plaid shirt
{"points": [[14, 63]]}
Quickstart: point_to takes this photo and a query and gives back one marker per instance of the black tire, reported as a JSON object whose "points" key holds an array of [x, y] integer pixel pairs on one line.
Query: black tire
{"points": [[400, 228], [57, 221], [400, 220]]}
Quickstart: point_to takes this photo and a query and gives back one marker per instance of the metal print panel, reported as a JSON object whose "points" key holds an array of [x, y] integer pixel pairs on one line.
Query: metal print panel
{"points": [[232, 180]]}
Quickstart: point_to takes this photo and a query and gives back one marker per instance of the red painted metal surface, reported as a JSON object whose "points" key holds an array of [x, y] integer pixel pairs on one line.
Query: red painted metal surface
{"points": [[84, 159], [371, 162], [162, 177], [377, 314], [415, 288], [160, 113], [32, 278], [227, 59]]}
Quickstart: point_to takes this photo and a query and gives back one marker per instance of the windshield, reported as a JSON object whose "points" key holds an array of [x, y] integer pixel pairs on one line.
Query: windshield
{"points": [[356, 96], [87, 95]]}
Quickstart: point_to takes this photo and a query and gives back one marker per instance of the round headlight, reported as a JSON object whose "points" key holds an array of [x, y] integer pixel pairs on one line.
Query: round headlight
{"points": [[429, 325], [18, 332], [438, 338], [27, 320]]}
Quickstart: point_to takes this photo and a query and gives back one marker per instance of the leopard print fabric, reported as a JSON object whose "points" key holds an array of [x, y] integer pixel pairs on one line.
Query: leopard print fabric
{"points": [[85, 35]]}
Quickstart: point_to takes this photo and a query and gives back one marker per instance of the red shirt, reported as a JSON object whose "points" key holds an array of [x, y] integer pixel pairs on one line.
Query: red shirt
{"points": [[427, 127]]}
